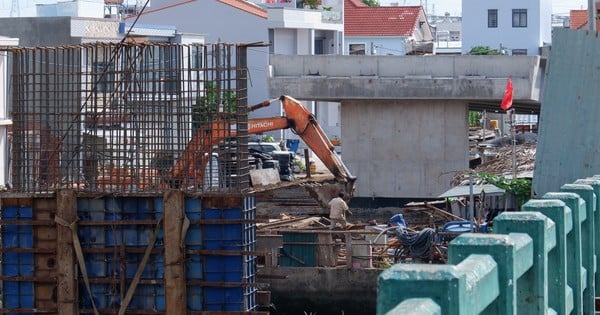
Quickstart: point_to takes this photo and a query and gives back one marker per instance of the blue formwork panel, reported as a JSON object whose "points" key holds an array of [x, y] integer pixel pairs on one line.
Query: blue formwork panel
{"points": [[193, 267], [10, 236], [96, 265], [159, 298], [234, 299], [26, 264], [27, 297], [99, 294], [159, 266], [212, 236], [10, 264], [193, 207], [114, 236], [25, 213], [158, 208], [144, 234], [233, 213], [10, 213], [143, 298], [195, 298], [193, 238], [11, 294], [130, 207], [132, 262], [211, 213], [214, 299], [130, 235]]}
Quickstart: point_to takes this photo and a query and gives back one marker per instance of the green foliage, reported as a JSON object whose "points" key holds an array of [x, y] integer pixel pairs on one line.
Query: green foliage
{"points": [[313, 4], [209, 104], [371, 3], [267, 138], [520, 187], [483, 50], [475, 118]]}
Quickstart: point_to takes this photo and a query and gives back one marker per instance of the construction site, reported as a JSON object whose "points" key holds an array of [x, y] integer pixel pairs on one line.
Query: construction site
{"points": [[134, 190]]}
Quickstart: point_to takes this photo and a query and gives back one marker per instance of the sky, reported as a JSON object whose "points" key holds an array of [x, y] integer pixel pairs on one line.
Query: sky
{"points": [[561, 7]]}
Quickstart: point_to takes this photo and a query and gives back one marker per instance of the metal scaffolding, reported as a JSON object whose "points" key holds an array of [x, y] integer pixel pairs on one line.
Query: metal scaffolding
{"points": [[129, 117]]}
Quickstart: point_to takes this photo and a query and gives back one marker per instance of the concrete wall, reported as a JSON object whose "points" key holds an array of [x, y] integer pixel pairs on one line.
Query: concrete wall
{"points": [[404, 118], [348, 291], [406, 149], [49, 31]]}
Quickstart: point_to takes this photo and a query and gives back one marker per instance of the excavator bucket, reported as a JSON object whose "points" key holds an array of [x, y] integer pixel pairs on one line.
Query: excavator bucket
{"points": [[323, 192]]}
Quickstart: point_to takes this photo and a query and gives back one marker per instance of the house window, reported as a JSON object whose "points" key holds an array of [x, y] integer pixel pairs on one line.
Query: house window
{"points": [[492, 18], [357, 49], [519, 17]]}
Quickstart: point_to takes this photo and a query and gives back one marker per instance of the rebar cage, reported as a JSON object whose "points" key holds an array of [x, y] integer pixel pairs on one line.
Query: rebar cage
{"points": [[129, 117]]}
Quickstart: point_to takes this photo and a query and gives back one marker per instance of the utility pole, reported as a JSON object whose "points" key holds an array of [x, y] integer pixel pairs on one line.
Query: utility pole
{"points": [[592, 15]]}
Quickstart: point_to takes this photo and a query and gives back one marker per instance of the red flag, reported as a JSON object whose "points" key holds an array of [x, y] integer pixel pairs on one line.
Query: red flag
{"points": [[508, 95]]}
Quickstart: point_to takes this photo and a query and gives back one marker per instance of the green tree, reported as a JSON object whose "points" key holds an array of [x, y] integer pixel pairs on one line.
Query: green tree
{"points": [[371, 3], [214, 101], [483, 50], [475, 118], [520, 187]]}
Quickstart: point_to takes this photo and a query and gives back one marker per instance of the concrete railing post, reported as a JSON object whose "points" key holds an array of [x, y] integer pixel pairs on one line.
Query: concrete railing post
{"points": [[586, 192], [416, 307], [513, 253], [465, 289], [560, 297], [595, 183], [575, 270], [533, 285]]}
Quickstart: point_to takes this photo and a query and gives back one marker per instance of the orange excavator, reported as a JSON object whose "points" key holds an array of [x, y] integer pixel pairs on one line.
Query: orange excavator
{"points": [[192, 162]]}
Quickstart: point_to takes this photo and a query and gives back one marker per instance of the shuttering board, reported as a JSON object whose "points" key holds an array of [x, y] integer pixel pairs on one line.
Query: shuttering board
{"points": [[569, 112], [215, 272]]}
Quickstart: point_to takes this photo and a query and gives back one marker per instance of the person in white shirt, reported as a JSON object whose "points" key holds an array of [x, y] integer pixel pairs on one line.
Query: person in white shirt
{"points": [[337, 211]]}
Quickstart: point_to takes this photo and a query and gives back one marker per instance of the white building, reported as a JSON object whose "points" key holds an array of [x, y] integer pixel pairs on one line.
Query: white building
{"points": [[5, 120], [516, 27], [286, 26]]}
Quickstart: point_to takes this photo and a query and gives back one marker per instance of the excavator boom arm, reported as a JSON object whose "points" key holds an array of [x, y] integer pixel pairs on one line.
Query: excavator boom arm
{"points": [[197, 153]]}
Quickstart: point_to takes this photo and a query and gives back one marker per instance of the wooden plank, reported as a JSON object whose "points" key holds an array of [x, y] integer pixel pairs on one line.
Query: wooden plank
{"points": [[175, 290], [65, 255], [348, 239], [45, 264], [325, 254]]}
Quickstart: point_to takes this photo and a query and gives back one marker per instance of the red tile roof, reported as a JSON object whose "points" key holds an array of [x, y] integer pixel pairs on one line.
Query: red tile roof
{"points": [[362, 20], [247, 7], [579, 18]]}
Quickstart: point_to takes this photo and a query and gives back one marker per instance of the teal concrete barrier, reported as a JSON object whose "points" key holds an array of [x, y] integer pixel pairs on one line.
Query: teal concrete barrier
{"points": [[541, 260]]}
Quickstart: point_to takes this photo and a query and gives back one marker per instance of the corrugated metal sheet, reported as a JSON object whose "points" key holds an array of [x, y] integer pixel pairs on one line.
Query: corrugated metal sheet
{"points": [[568, 142], [460, 191]]}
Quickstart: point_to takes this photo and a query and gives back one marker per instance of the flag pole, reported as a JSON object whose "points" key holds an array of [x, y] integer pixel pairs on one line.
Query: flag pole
{"points": [[506, 105], [514, 143]]}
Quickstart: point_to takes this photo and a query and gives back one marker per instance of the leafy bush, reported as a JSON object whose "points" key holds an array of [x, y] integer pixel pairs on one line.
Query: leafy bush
{"points": [[483, 50]]}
